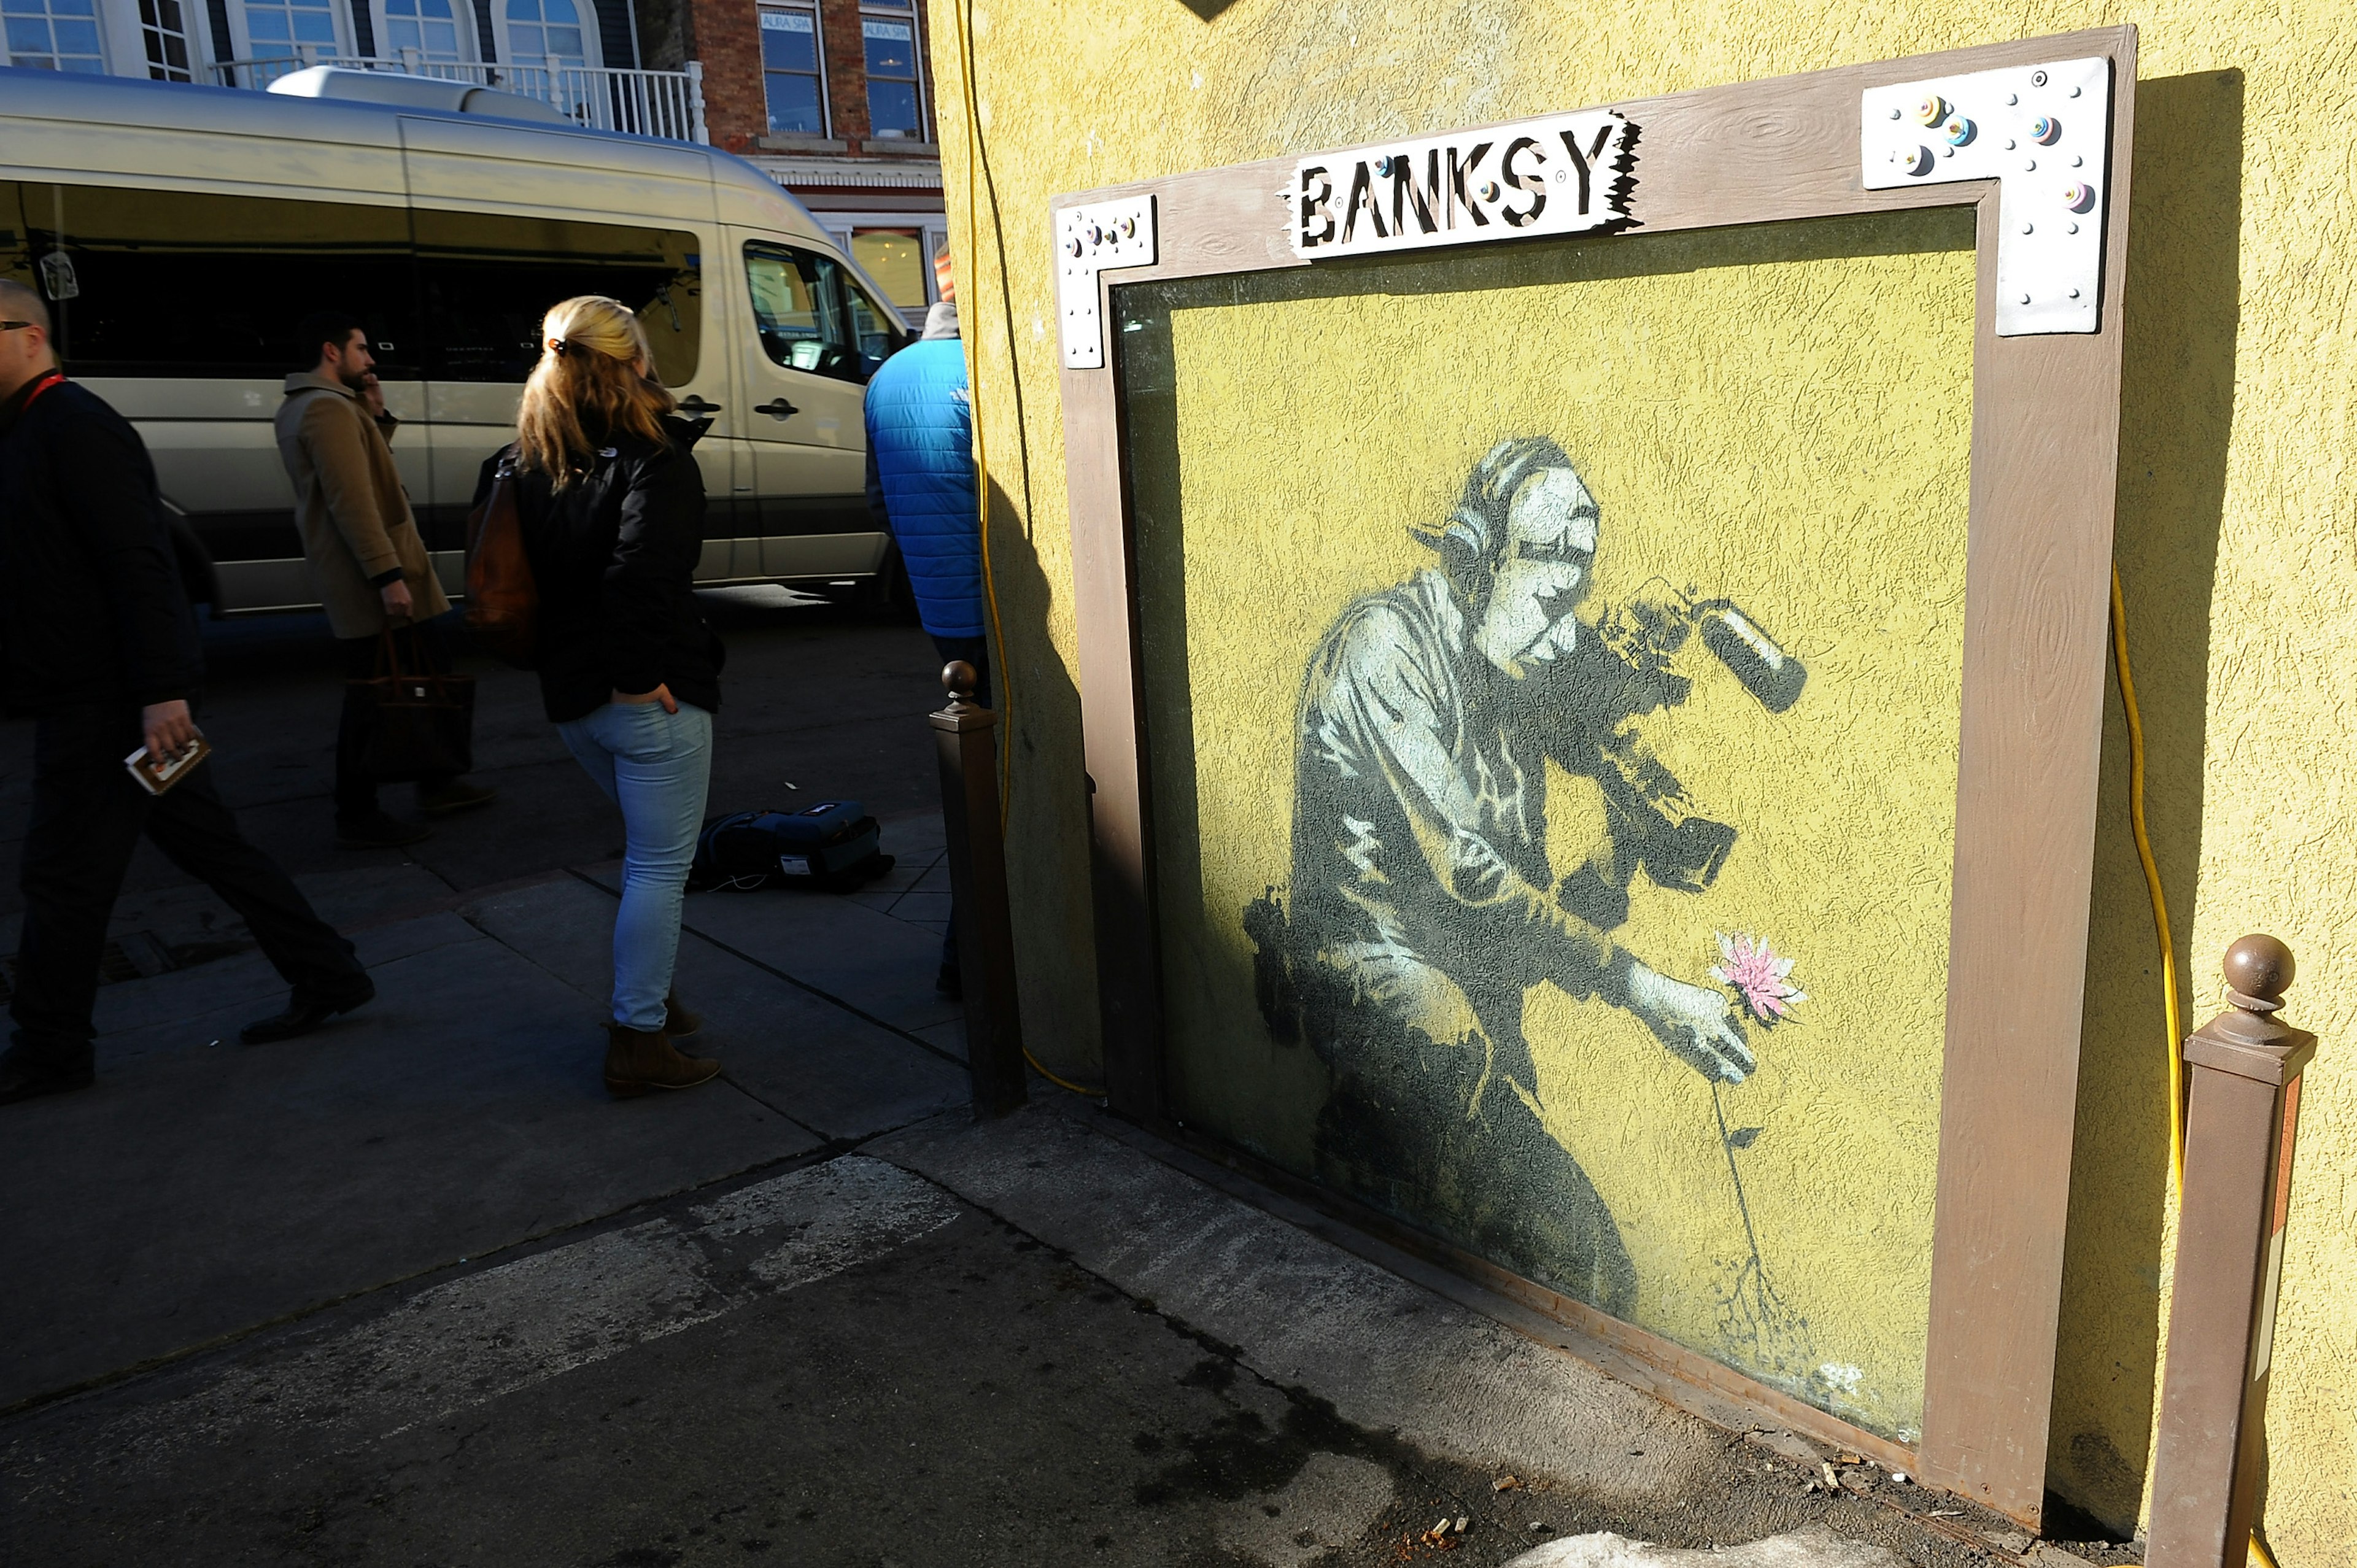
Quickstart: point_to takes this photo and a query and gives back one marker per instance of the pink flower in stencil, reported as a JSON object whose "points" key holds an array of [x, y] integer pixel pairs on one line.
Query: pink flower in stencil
{"points": [[1758, 976]]}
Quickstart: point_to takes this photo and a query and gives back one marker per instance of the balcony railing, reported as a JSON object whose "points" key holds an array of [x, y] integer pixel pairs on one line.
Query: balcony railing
{"points": [[642, 102]]}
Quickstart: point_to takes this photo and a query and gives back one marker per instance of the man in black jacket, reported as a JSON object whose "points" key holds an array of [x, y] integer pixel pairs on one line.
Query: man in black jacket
{"points": [[98, 643]]}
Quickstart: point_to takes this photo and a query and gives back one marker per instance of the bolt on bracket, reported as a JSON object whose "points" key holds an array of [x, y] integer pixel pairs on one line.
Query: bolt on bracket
{"points": [[2044, 134], [1091, 239]]}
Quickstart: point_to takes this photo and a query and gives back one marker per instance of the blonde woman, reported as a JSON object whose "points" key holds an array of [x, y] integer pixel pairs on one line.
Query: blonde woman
{"points": [[611, 504]]}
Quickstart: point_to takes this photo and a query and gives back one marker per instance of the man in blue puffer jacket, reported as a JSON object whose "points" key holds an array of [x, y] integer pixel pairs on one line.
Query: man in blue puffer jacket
{"points": [[920, 480], [920, 486]]}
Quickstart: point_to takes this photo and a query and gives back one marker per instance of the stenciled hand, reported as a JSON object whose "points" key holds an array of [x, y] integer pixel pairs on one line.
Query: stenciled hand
{"points": [[1693, 1022], [168, 728]]}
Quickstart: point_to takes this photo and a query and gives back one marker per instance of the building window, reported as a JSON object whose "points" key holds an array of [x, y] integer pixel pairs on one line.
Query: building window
{"points": [[280, 29], [54, 35], [547, 34], [166, 37], [790, 71], [895, 258], [429, 28], [895, 95]]}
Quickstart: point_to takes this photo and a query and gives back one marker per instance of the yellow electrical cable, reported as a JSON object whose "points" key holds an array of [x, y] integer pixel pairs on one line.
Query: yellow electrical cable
{"points": [[2160, 927], [2152, 885], [964, 14]]}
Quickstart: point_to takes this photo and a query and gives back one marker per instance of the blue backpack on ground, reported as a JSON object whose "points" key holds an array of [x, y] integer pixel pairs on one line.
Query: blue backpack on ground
{"points": [[830, 845]]}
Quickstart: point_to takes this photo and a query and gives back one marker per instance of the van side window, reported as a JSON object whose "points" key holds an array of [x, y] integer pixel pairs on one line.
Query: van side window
{"points": [[809, 317], [878, 330], [191, 284], [486, 279]]}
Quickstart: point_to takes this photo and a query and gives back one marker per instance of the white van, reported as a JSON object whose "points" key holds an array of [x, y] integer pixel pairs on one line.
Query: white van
{"points": [[180, 233]]}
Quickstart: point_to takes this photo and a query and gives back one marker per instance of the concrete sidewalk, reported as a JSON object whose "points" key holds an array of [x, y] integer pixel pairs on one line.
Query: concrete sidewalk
{"points": [[204, 1187], [414, 1290]]}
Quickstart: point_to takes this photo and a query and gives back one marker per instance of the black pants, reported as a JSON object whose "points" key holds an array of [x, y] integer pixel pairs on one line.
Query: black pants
{"points": [[974, 651], [87, 819], [355, 790]]}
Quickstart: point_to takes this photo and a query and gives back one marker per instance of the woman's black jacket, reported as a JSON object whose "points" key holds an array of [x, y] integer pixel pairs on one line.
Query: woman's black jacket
{"points": [[613, 554]]}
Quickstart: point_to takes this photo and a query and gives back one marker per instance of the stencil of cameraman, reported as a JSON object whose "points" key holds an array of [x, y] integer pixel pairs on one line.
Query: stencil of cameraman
{"points": [[1422, 902]]}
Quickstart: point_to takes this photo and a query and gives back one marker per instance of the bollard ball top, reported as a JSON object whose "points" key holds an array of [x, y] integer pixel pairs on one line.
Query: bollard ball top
{"points": [[2260, 968], [957, 678]]}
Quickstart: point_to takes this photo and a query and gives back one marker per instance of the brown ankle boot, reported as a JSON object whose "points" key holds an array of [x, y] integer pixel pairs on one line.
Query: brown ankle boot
{"points": [[680, 1023], [639, 1060]]}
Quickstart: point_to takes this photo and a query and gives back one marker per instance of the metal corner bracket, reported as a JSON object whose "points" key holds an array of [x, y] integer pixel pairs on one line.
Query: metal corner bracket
{"points": [[1090, 240], [2044, 134]]}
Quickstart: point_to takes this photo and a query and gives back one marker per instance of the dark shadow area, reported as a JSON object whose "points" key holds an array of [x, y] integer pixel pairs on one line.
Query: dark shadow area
{"points": [[1208, 10], [1046, 808], [817, 700], [2177, 382]]}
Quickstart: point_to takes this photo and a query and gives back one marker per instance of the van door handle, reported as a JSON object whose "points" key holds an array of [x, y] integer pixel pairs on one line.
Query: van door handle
{"points": [[694, 407], [780, 409]]}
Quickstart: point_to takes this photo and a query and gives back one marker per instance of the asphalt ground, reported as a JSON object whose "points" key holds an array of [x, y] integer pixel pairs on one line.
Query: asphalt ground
{"points": [[413, 1291]]}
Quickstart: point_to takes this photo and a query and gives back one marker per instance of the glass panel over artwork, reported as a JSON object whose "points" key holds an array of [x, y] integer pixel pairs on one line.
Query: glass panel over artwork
{"points": [[1552, 659]]}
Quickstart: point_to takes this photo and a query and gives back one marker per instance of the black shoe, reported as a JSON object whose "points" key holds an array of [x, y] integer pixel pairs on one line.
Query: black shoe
{"points": [[379, 831], [950, 984], [306, 1013], [24, 1077], [457, 795]]}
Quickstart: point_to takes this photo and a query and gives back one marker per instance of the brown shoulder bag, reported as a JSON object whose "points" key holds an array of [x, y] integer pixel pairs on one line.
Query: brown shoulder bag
{"points": [[502, 600]]}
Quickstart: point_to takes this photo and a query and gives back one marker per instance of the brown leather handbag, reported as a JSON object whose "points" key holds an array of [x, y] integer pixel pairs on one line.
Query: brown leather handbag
{"points": [[415, 723], [502, 600]]}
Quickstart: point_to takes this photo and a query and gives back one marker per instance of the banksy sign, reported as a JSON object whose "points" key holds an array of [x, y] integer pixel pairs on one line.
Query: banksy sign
{"points": [[1560, 174]]}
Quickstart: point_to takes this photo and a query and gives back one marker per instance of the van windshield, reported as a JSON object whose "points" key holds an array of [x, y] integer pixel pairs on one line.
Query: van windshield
{"points": [[809, 315]]}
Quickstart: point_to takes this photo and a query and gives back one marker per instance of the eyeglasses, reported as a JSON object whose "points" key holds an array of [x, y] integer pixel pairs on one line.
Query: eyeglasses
{"points": [[11, 326]]}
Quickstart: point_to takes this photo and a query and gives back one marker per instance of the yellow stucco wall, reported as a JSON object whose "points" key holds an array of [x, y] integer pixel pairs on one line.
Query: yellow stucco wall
{"points": [[2237, 538]]}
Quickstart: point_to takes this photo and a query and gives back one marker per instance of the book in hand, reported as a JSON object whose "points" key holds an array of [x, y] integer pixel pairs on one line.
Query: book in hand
{"points": [[157, 774]]}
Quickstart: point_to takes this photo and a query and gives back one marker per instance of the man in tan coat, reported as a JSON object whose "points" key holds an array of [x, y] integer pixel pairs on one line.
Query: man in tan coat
{"points": [[367, 564]]}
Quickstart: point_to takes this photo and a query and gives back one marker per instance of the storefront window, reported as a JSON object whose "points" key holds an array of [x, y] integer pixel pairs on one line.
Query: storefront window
{"points": [[895, 258]]}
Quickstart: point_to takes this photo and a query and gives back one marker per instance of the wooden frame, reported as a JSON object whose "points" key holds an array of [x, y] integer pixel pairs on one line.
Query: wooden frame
{"points": [[2044, 450]]}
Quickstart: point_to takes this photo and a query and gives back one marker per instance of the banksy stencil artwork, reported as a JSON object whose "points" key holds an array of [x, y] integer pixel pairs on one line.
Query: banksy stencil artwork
{"points": [[1423, 903], [1552, 664]]}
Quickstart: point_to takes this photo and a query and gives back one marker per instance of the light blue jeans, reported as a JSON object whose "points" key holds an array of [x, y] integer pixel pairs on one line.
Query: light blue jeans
{"points": [[655, 766]]}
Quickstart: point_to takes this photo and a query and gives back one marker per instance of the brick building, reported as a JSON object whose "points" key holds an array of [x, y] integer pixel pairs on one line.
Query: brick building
{"points": [[834, 100]]}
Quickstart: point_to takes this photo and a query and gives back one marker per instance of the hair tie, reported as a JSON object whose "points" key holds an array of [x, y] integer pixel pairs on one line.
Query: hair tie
{"points": [[557, 345]]}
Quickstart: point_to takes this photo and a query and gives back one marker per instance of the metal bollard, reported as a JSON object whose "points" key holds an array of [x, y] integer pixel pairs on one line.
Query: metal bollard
{"points": [[2242, 1125], [965, 735]]}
